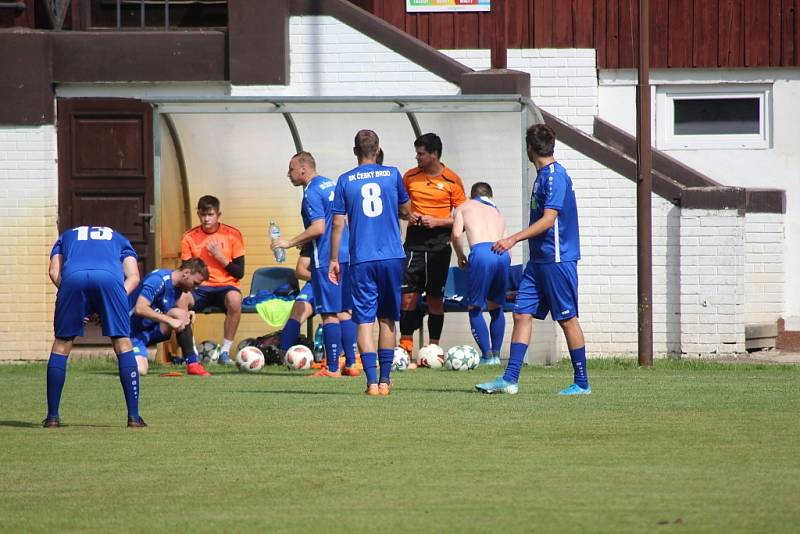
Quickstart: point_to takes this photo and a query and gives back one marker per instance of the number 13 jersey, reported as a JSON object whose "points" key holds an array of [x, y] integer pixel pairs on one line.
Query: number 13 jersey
{"points": [[92, 248]]}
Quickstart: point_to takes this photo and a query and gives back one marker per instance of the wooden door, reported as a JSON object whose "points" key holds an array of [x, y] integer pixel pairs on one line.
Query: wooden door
{"points": [[105, 167]]}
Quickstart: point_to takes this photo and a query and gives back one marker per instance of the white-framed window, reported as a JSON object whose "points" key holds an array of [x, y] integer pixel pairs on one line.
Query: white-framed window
{"points": [[714, 116]]}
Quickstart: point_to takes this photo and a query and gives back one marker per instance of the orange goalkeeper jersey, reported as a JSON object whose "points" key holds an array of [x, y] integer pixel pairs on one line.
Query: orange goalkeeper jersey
{"points": [[436, 196], [193, 245]]}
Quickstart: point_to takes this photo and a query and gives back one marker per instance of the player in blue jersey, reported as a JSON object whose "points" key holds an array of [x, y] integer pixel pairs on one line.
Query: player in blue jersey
{"points": [[160, 305], [94, 269], [370, 197], [332, 301], [483, 224], [550, 281], [303, 307]]}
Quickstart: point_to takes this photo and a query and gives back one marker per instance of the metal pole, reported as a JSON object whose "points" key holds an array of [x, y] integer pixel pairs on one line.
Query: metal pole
{"points": [[644, 187], [499, 41]]}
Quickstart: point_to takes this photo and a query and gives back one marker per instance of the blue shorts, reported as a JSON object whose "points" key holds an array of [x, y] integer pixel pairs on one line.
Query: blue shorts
{"points": [[205, 296], [488, 275], [549, 287], [330, 297], [376, 289], [83, 293], [148, 337], [306, 294]]}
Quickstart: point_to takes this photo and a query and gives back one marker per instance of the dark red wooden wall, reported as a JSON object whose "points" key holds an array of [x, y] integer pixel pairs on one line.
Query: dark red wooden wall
{"points": [[683, 33]]}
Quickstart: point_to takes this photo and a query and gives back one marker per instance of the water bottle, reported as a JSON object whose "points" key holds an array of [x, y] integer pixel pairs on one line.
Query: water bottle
{"points": [[319, 345], [275, 233]]}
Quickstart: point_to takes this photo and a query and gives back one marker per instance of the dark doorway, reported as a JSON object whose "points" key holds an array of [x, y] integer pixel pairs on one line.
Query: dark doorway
{"points": [[105, 172]]}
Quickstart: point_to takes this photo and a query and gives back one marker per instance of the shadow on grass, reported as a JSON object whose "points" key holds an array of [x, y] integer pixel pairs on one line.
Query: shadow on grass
{"points": [[440, 390], [20, 424], [299, 392], [28, 424]]}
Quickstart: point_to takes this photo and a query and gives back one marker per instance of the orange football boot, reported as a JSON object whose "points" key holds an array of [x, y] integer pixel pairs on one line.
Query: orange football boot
{"points": [[353, 370], [324, 372], [196, 369], [408, 346]]}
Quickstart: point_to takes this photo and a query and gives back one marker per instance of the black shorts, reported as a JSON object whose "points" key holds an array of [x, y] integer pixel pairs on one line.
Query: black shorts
{"points": [[205, 296], [426, 271]]}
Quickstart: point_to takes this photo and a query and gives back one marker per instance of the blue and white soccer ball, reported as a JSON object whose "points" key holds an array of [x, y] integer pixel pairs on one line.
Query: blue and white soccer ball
{"points": [[462, 358], [400, 361], [208, 351]]}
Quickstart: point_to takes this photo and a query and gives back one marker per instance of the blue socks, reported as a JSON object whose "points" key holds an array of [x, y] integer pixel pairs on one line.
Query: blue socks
{"points": [[192, 358], [332, 334], [290, 333], [479, 331], [370, 362], [349, 335], [578, 358], [497, 328], [515, 360], [56, 376], [385, 357], [129, 378]]}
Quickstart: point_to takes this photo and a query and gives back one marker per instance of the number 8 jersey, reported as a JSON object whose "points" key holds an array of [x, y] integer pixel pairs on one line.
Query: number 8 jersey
{"points": [[370, 196]]}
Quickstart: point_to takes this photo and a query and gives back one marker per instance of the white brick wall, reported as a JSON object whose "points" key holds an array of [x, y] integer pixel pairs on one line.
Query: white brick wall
{"points": [[28, 179], [712, 282], [328, 58], [563, 81], [764, 271]]}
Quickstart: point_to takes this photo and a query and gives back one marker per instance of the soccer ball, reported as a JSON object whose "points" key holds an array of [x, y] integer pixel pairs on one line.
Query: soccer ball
{"points": [[431, 356], [462, 358], [298, 357], [247, 342], [400, 361], [250, 359], [209, 351]]}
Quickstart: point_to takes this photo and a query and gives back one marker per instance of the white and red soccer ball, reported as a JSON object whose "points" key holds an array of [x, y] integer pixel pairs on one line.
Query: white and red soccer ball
{"points": [[431, 356], [250, 359], [298, 357]]}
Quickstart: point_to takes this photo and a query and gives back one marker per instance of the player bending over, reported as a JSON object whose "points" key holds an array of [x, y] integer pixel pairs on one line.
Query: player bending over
{"points": [[94, 269], [550, 281], [160, 305], [483, 224]]}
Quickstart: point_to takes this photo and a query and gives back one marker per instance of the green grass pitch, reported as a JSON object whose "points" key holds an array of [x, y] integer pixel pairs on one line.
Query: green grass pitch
{"points": [[686, 446]]}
